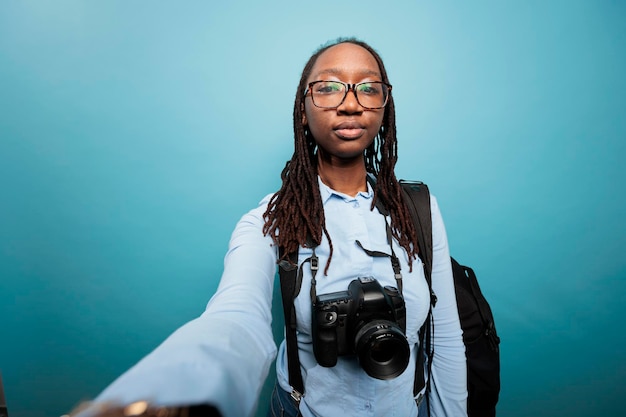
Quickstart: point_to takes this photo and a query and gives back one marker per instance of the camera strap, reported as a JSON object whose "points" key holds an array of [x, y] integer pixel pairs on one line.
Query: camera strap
{"points": [[395, 262], [314, 267]]}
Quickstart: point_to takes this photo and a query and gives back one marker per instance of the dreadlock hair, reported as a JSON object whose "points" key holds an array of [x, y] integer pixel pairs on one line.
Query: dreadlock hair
{"points": [[295, 214]]}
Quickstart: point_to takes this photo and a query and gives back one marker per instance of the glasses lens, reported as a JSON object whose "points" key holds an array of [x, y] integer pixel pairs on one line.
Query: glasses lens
{"points": [[327, 93], [372, 94]]}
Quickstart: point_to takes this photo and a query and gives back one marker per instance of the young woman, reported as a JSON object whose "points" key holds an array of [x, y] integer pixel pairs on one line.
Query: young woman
{"points": [[341, 172]]}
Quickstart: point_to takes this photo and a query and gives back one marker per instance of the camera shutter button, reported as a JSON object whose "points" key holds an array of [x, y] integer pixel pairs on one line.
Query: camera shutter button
{"points": [[391, 290]]}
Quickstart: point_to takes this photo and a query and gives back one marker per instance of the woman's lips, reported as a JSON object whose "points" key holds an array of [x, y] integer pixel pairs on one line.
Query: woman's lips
{"points": [[349, 133], [349, 130]]}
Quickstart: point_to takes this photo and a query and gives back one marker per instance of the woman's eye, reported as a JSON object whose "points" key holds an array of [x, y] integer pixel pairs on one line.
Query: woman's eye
{"points": [[369, 89], [328, 88]]}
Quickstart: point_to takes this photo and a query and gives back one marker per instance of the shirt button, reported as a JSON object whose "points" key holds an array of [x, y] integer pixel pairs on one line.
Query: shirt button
{"points": [[356, 204], [368, 405]]}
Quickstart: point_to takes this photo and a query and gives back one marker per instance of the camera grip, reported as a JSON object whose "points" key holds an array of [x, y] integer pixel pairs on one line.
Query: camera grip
{"points": [[325, 337]]}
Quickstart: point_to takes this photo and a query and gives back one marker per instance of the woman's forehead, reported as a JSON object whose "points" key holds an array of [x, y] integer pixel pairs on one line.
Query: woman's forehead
{"points": [[346, 59]]}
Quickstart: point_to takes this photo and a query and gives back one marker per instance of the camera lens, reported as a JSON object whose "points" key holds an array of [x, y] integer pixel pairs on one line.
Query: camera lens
{"points": [[382, 349]]}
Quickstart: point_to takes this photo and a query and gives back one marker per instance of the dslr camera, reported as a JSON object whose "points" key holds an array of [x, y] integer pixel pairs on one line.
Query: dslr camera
{"points": [[368, 321]]}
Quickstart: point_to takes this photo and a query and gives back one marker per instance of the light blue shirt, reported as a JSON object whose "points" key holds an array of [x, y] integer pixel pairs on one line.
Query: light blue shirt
{"points": [[223, 356]]}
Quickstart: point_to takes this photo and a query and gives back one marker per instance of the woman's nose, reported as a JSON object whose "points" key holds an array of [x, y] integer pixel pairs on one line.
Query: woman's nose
{"points": [[350, 104]]}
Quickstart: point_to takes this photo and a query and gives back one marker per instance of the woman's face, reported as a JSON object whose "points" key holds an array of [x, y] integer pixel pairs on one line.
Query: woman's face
{"points": [[346, 131]]}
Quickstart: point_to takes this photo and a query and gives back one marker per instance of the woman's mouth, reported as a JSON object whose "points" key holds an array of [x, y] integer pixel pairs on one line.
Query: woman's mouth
{"points": [[349, 133], [349, 130]]}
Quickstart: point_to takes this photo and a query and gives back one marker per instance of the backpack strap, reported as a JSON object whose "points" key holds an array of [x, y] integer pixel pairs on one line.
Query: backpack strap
{"points": [[288, 271], [417, 198]]}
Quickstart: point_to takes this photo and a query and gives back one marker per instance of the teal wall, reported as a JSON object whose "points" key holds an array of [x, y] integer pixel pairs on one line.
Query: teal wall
{"points": [[134, 134]]}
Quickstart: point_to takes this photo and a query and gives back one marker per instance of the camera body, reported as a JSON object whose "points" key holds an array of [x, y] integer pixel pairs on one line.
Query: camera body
{"points": [[367, 320]]}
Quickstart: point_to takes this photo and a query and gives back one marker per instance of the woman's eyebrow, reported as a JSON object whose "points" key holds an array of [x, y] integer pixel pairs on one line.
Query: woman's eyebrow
{"points": [[338, 71]]}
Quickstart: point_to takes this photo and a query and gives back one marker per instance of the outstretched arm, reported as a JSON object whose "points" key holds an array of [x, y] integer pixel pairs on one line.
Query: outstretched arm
{"points": [[222, 357]]}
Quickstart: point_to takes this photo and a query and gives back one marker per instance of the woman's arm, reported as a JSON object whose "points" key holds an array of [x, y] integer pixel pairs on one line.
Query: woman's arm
{"points": [[449, 372], [222, 357]]}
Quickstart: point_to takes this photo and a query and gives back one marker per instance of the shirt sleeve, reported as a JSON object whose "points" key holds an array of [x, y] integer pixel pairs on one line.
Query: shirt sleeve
{"points": [[222, 357], [449, 372]]}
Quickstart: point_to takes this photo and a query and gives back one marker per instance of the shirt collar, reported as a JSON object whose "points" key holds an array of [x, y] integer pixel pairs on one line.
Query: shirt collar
{"points": [[326, 192]]}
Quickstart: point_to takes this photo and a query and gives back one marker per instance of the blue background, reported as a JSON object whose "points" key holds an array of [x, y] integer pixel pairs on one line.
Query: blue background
{"points": [[134, 134]]}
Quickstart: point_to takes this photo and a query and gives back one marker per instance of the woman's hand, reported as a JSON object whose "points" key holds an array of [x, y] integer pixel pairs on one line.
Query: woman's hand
{"points": [[141, 409]]}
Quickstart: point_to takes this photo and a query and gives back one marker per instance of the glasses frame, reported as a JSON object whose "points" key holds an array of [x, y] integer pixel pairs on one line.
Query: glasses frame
{"points": [[348, 87]]}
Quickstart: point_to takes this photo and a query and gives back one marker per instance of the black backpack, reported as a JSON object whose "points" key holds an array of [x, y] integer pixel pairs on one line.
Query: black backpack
{"points": [[479, 332]]}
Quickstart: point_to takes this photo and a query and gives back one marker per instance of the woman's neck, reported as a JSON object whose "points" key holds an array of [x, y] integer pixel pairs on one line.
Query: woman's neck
{"points": [[347, 177]]}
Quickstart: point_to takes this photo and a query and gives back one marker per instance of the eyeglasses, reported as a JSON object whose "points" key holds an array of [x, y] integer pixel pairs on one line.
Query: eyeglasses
{"points": [[370, 95]]}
